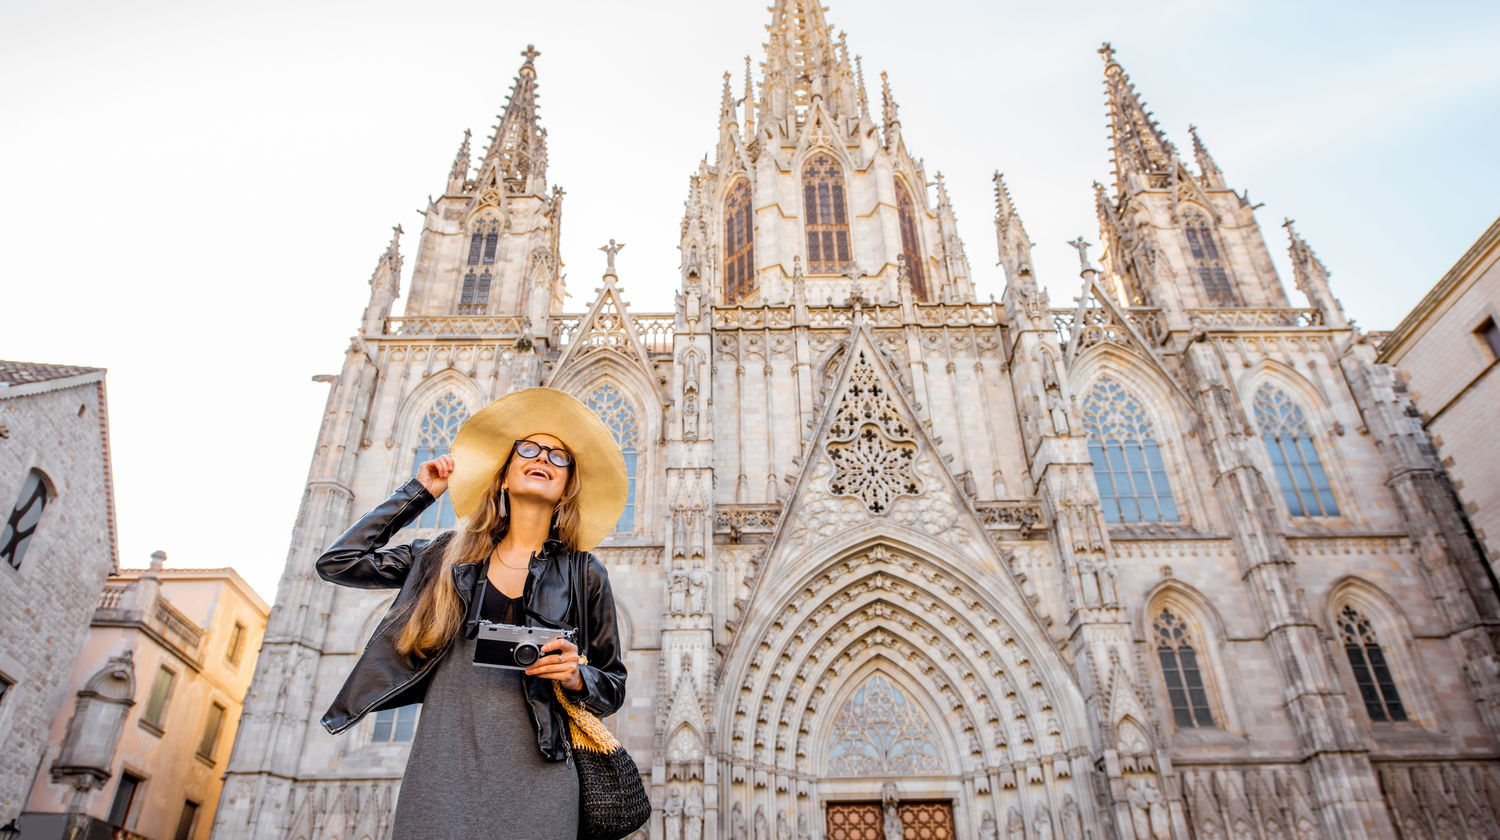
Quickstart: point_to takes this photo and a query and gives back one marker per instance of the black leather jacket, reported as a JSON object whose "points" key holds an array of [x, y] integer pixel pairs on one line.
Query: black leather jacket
{"points": [[384, 678]]}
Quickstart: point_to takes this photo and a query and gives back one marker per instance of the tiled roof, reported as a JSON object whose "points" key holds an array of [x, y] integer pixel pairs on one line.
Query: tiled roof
{"points": [[22, 373]]}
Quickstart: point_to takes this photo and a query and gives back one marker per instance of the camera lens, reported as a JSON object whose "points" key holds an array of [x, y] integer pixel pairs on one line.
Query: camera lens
{"points": [[526, 654]]}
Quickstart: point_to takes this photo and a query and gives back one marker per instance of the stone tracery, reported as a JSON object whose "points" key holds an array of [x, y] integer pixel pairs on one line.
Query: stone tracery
{"points": [[870, 443]]}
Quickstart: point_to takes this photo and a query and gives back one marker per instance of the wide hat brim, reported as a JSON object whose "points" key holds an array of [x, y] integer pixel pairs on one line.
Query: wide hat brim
{"points": [[485, 441]]}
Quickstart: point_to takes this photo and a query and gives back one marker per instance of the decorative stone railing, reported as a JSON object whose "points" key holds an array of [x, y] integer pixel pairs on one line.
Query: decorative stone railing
{"points": [[880, 315], [655, 331], [466, 326], [117, 609], [109, 599], [1022, 516], [175, 626], [1098, 326], [1256, 318], [747, 518]]}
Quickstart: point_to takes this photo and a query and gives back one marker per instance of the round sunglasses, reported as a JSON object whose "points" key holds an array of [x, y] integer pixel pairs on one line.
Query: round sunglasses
{"points": [[529, 449]]}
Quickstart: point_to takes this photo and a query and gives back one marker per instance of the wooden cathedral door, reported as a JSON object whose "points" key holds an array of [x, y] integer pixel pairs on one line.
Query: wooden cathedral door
{"points": [[920, 820]]}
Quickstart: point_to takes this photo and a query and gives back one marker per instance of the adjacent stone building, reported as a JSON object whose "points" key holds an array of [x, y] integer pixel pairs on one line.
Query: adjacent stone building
{"points": [[1448, 349], [1176, 561], [58, 503], [142, 739]]}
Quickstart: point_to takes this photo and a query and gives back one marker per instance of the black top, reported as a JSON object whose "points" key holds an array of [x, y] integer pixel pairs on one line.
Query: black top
{"points": [[499, 607]]}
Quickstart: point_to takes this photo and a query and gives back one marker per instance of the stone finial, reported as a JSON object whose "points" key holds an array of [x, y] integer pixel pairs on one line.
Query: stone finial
{"points": [[158, 559]]}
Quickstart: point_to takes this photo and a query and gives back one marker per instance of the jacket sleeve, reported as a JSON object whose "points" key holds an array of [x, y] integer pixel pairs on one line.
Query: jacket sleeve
{"points": [[359, 559], [603, 690]]}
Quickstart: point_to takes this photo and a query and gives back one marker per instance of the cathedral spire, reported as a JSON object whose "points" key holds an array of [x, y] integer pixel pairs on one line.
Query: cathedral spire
{"points": [[889, 111], [385, 286], [1014, 246], [803, 64], [1312, 279], [749, 101], [1212, 175], [1140, 148], [517, 154], [460, 171], [863, 97]]}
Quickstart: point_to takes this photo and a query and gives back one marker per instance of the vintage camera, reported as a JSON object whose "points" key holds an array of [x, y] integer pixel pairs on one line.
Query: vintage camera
{"points": [[512, 646]]}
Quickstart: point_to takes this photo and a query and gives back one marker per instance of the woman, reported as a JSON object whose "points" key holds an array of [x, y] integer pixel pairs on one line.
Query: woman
{"points": [[536, 480]]}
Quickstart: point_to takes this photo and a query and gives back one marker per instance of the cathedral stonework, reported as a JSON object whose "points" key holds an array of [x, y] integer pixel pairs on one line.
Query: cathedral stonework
{"points": [[1178, 561]]}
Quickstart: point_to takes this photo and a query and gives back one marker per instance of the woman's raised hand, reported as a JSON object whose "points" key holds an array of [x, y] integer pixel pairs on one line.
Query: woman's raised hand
{"points": [[560, 661], [434, 474]]}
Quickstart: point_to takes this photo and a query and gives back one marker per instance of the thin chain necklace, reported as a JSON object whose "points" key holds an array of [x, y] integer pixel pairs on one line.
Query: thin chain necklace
{"points": [[496, 556]]}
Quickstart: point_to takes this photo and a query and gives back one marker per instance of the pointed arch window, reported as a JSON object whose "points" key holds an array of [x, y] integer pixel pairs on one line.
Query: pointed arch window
{"points": [[484, 241], [1128, 467], [439, 425], [1289, 441], [879, 732], [1371, 673], [610, 405], [825, 217], [739, 243], [476, 292], [20, 526], [1180, 671], [1209, 262], [911, 248]]}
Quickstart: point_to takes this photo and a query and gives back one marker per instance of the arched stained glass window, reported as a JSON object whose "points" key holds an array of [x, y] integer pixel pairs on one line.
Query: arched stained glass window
{"points": [[438, 428], [1128, 468], [610, 405], [739, 243], [395, 726], [878, 732], [1180, 671], [1209, 263], [23, 519], [825, 216], [910, 245], [1299, 471], [1371, 673]]}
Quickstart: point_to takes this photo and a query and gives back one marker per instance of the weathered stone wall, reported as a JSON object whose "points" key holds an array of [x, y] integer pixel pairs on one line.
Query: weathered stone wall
{"points": [[43, 622]]}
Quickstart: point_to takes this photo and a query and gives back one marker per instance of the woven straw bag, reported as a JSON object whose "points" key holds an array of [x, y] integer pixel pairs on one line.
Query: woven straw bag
{"points": [[612, 801]]}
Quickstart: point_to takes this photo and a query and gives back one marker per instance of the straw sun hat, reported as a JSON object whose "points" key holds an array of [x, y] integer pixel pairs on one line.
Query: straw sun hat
{"points": [[485, 441]]}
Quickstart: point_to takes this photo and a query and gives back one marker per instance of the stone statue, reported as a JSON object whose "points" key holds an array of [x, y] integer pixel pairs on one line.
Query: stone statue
{"points": [[690, 416], [783, 828], [737, 823], [1088, 580], [698, 590], [611, 249], [987, 828], [1156, 809], [693, 813], [762, 828], [803, 833], [1015, 826], [1041, 824], [1107, 589], [673, 814], [677, 581], [891, 825], [1072, 820], [1140, 818]]}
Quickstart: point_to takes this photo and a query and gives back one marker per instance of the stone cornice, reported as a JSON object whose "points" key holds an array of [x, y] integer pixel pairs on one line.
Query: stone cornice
{"points": [[1465, 271]]}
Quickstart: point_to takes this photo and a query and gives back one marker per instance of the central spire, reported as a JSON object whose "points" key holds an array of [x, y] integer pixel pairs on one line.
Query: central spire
{"points": [[804, 64], [1140, 148], [517, 154]]}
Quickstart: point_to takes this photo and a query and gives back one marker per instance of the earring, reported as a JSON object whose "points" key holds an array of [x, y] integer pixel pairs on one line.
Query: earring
{"points": [[504, 505]]}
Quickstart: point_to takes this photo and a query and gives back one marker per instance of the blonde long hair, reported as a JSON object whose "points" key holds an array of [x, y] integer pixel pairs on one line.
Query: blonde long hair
{"points": [[435, 613]]}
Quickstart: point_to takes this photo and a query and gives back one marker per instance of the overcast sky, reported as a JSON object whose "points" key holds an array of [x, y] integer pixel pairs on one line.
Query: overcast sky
{"points": [[193, 195]]}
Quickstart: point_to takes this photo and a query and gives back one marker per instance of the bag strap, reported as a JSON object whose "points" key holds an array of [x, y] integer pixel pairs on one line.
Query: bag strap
{"points": [[580, 604]]}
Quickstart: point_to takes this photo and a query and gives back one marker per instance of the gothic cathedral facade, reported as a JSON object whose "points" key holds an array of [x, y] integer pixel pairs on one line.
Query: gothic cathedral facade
{"points": [[1176, 562]]}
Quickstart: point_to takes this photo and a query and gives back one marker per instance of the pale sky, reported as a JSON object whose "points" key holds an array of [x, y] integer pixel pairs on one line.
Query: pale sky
{"points": [[195, 194]]}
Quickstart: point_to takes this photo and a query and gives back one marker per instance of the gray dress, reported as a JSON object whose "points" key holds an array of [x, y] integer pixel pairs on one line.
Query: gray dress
{"points": [[475, 772]]}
